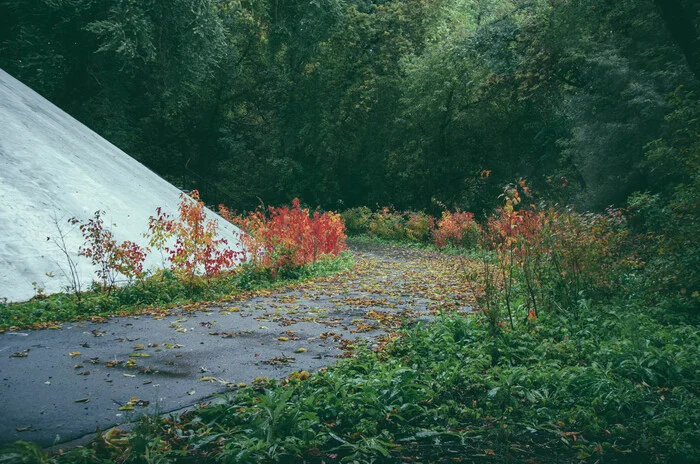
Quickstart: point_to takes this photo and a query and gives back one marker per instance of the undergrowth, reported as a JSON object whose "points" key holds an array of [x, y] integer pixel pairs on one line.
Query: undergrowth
{"points": [[568, 359], [363, 239], [160, 291], [617, 385]]}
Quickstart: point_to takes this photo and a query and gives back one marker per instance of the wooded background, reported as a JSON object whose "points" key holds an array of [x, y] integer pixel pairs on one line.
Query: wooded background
{"points": [[358, 102]]}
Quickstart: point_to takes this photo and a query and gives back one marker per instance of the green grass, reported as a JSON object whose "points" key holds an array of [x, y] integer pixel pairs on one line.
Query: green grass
{"points": [[159, 291], [618, 385]]}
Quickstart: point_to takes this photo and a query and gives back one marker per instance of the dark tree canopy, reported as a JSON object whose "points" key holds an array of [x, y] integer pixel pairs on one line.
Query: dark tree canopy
{"points": [[366, 102]]}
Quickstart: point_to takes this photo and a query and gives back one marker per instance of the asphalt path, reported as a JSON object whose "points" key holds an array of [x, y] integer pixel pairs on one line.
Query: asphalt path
{"points": [[61, 385]]}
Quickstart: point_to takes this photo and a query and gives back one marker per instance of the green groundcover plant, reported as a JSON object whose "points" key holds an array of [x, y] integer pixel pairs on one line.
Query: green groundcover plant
{"points": [[617, 385]]}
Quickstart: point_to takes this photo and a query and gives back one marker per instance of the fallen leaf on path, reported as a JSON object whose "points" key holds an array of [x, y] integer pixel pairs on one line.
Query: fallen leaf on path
{"points": [[23, 354], [82, 400], [279, 360], [23, 429], [303, 375], [134, 401], [74, 353], [116, 437]]}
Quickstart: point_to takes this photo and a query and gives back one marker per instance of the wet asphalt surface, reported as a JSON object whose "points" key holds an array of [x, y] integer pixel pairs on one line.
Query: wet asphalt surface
{"points": [[88, 375]]}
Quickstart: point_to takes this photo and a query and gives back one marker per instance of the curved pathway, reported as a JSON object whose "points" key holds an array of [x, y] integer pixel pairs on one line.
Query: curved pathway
{"points": [[107, 372]]}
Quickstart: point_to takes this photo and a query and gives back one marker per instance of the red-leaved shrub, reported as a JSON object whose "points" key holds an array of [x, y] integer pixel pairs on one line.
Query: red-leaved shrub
{"points": [[283, 237], [111, 258]]}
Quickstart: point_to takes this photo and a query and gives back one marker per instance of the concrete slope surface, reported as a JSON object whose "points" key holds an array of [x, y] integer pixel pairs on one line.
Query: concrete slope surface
{"points": [[59, 385], [52, 166]]}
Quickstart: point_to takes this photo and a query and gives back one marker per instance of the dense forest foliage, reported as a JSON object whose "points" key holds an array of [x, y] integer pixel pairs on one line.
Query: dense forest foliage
{"points": [[420, 104]]}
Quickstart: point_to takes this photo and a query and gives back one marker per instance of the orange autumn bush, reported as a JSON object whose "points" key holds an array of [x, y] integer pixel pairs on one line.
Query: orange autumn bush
{"points": [[554, 259], [195, 250], [458, 229], [549, 259]]}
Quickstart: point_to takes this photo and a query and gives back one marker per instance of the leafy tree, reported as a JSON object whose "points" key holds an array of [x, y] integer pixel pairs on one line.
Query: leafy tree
{"points": [[416, 103]]}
